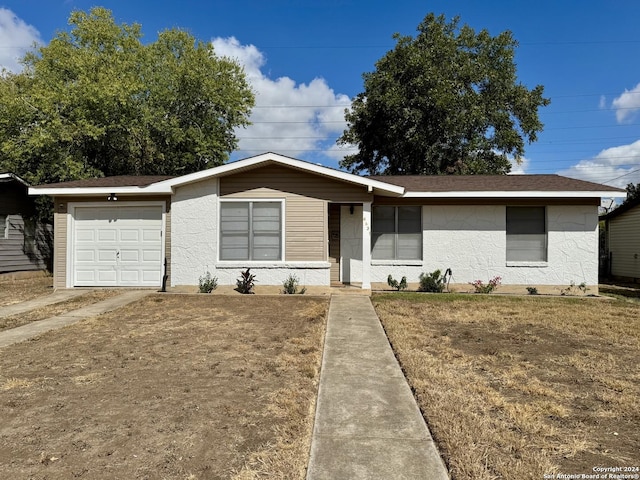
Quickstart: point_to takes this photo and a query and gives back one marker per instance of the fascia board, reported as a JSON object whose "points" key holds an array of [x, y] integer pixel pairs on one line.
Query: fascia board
{"points": [[511, 194], [15, 177], [61, 192]]}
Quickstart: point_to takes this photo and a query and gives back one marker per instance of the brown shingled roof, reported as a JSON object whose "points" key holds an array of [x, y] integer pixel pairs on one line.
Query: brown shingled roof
{"points": [[490, 183], [116, 181]]}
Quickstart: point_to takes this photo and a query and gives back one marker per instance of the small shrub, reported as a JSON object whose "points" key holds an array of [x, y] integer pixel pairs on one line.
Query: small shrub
{"points": [[290, 286], [207, 283], [573, 289], [246, 282], [393, 283], [532, 290], [480, 287], [432, 282]]}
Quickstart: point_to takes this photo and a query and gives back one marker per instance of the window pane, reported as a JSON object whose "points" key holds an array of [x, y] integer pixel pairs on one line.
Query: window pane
{"points": [[266, 247], [383, 246], [409, 220], [234, 247], [523, 248], [234, 231], [384, 220], [409, 246], [525, 220], [526, 234], [266, 217], [234, 216]]}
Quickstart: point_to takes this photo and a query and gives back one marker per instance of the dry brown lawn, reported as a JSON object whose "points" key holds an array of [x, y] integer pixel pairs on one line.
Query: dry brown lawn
{"points": [[173, 387], [60, 308], [517, 388], [15, 290]]}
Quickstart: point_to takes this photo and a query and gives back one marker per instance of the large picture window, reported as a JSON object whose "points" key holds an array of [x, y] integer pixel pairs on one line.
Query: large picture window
{"points": [[251, 231], [526, 234], [396, 233]]}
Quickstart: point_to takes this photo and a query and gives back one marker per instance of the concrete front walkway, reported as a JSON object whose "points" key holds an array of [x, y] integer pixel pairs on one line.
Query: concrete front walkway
{"points": [[30, 330], [368, 425], [42, 301]]}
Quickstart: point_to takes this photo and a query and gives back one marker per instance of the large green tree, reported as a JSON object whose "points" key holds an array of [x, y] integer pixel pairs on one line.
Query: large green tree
{"points": [[98, 101], [447, 101]]}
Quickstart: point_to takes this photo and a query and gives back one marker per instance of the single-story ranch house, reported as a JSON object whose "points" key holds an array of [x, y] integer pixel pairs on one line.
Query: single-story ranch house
{"points": [[282, 216]]}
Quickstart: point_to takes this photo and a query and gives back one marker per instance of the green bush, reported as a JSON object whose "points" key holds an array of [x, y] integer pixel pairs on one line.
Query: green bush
{"points": [[207, 283], [290, 286], [393, 283], [246, 282], [432, 282]]}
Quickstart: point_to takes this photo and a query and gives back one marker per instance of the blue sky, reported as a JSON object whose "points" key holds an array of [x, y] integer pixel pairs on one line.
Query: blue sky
{"points": [[305, 60]]}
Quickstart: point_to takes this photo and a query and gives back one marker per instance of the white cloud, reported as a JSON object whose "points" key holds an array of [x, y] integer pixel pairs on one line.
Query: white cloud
{"points": [[289, 118], [616, 166], [627, 104], [519, 169], [16, 37]]}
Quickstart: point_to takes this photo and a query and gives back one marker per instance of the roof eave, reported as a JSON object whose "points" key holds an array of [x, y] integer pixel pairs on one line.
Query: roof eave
{"points": [[517, 194], [92, 191]]}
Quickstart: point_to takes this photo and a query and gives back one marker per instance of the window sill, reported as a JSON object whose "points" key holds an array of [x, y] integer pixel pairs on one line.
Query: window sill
{"points": [[528, 264], [409, 263]]}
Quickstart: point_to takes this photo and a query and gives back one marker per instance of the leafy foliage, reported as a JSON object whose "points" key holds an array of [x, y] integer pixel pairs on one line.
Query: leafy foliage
{"points": [[432, 282], [393, 283], [633, 192], [446, 101], [532, 290], [96, 101], [493, 284], [290, 286], [207, 283], [246, 282]]}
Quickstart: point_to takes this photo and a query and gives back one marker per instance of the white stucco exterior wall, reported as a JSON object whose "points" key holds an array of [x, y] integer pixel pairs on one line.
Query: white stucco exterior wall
{"points": [[194, 239], [471, 240]]}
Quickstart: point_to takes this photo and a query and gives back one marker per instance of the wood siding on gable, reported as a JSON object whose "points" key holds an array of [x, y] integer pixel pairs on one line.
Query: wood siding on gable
{"points": [[624, 244], [306, 197]]}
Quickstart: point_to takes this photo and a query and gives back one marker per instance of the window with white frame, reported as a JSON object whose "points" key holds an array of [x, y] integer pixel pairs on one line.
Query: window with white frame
{"points": [[396, 233], [526, 234], [251, 230]]}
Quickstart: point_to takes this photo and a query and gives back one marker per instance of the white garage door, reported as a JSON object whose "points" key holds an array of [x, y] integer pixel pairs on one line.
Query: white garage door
{"points": [[117, 246]]}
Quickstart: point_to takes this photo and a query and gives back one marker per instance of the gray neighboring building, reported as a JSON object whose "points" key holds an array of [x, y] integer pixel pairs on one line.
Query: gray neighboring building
{"points": [[24, 244], [622, 241]]}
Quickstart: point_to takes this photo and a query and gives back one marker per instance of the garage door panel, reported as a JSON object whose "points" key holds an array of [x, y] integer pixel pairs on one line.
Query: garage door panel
{"points": [[85, 236], [109, 256], [85, 256], [129, 256], [151, 276], [152, 256], [107, 276], [129, 235], [107, 235], [118, 246]]}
